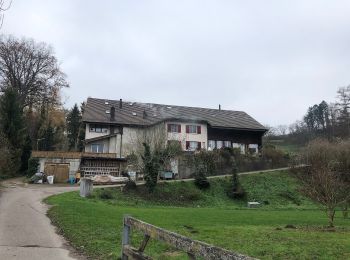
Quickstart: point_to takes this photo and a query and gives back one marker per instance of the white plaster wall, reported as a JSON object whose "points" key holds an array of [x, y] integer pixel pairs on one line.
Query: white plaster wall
{"points": [[89, 134], [105, 142], [183, 136], [133, 137], [129, 140]]}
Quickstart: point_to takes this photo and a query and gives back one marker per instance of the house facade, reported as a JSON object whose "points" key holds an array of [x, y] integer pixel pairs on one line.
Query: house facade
{"points": [[118, 127]]}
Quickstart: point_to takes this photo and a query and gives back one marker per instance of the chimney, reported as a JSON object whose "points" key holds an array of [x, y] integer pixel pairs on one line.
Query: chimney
{"points": [[112, 113], [121, 103], [219, 107], [144, 114]]}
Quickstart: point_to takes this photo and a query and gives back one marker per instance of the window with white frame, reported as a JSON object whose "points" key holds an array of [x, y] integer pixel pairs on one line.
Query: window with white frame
{"points": [[227, 144], [219, 144], [211, 144], [253, 148], [97, 148], [193, 145], [241, 147]]}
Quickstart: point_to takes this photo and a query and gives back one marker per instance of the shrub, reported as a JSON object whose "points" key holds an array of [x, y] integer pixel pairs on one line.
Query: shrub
{"points": [[105, 194], [201, 181], [236, 190], [33, 165], [130, 185], [325, 176], [275, 156]]}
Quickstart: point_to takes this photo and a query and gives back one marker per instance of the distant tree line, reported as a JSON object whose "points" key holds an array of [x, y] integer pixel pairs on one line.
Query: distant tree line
{"points": [[32, 116], [324, 120]]}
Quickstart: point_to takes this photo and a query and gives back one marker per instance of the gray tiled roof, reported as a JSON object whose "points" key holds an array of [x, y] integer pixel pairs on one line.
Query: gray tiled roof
{"points": [[95, 112]]}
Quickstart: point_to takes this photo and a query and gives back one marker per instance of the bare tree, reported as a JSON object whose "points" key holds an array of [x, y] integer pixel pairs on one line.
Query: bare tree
{"points": [[4, 6], [324, 178], [344, 109], [282, 129], [32, 69], [156, 138]]}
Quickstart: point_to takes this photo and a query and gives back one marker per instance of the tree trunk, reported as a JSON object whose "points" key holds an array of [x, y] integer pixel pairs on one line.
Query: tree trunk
{"points": [[345, 210], [330, 214]]}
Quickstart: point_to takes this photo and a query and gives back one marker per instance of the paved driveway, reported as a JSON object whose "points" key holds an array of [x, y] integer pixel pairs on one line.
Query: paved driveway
{"points": [[25, 230]]}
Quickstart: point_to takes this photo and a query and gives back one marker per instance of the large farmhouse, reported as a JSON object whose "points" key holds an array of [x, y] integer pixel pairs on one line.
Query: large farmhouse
{"points": [[113, 126]]}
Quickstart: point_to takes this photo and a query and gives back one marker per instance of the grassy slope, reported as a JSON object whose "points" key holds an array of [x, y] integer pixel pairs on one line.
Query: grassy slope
{"points": [[214, 219]]}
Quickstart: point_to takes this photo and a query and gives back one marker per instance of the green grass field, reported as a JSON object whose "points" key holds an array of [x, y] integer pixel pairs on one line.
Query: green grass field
{"points": [[94, 226]]}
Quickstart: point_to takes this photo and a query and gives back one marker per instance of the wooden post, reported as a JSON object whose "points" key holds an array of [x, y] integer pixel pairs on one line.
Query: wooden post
{"points": [[194, 249], [126, 237], [86, 187]]}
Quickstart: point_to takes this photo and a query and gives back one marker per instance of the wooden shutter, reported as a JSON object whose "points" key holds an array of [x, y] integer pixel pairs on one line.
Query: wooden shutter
{"points": [[199, 146], [187, 129], [169, 128], [199, 129], [179, 128], [187, 145]]}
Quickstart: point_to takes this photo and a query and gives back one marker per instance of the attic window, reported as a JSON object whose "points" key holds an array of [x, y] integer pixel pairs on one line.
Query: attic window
{"points": [[134, 114], [130, 104], [169, 107], [108, 111], [106, 103]]}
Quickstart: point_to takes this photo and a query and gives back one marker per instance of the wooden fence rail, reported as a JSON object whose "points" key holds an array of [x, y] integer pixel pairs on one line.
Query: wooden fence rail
{"points": [[193, 248]]}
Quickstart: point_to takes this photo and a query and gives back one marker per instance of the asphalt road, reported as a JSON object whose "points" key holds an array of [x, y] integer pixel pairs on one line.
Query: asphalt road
{"points": [[25, 230]]}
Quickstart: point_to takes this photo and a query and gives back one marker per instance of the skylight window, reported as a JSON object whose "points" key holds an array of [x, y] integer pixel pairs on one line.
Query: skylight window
{"points": [[108, 111], [134, 114]]}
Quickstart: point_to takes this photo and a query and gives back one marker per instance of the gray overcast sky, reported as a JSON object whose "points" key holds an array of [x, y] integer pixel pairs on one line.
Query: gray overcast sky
{"points": [[271, 59]]}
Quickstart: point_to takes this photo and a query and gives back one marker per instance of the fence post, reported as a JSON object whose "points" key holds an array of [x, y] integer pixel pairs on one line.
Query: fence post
{"points": [[126, 237], [86, 187]]}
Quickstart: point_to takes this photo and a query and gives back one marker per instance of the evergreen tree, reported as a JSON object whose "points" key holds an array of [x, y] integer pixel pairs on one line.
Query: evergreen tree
{"points": [[47, 143], [26, 152], [12, 128], [81, 136], [74, 127], [151, 167], [11, 120]]}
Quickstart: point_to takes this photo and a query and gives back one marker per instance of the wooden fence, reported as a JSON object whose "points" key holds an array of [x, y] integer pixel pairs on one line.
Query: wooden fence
{"points": [[193, 248]]}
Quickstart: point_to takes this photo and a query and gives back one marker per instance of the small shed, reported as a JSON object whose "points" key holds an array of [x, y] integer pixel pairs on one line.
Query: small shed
{"points": [[62, 165]]}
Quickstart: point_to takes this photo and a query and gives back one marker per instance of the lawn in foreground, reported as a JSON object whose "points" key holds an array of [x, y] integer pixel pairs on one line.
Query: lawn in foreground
{"points": [[95, 225]]}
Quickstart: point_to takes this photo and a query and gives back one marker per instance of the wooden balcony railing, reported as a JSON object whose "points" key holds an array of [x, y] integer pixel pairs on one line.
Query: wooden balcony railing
{"points": [[71, 155]]}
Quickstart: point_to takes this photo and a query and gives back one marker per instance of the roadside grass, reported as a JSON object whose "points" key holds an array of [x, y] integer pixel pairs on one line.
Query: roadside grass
{"points": [[94, 225]]}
